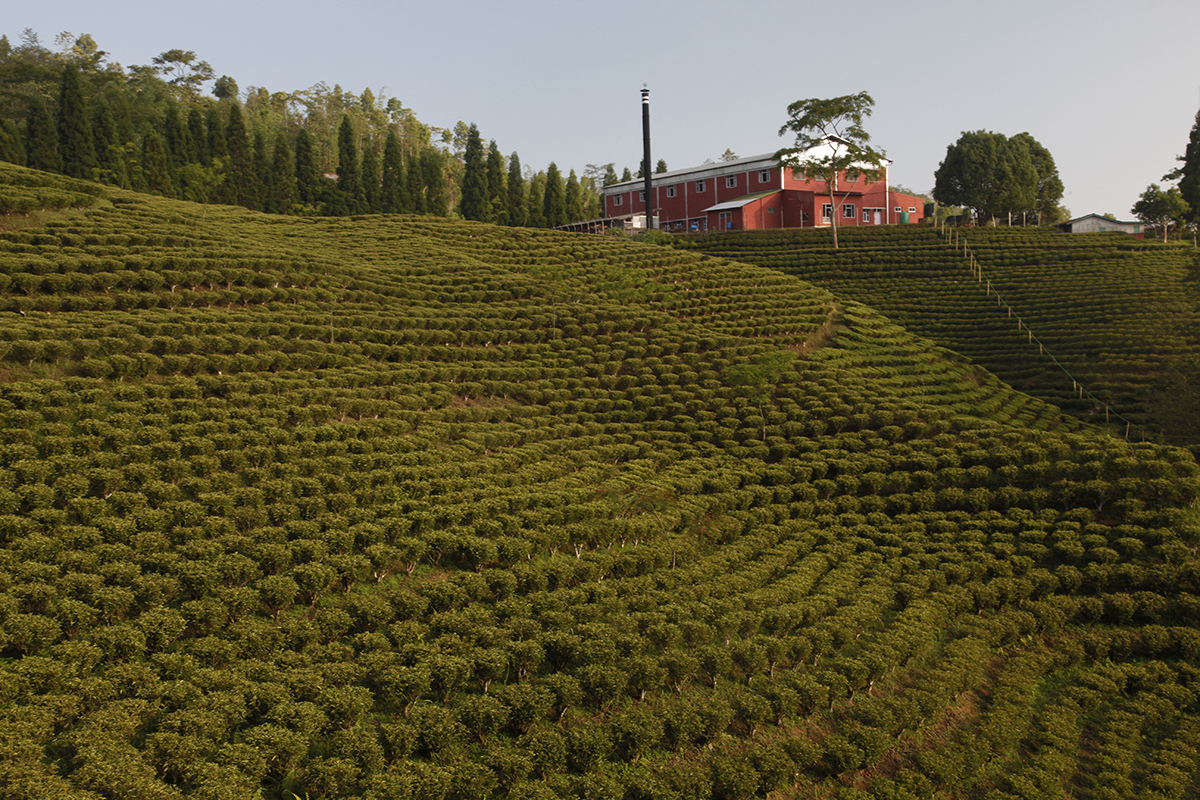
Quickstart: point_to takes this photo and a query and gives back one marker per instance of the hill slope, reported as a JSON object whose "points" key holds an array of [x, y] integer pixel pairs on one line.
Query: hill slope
{"points": [[394, 507], [1083, 321]]}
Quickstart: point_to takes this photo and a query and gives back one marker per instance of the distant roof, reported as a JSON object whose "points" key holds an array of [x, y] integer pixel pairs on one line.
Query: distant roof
{"points": [[1104, 217], [741, 201]]}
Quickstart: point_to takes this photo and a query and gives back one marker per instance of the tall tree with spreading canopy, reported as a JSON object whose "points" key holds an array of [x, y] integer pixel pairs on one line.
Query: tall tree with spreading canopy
{"points": [[988, 172], [1049, 189], [184, 71], [831, 144], [1160, 208]]}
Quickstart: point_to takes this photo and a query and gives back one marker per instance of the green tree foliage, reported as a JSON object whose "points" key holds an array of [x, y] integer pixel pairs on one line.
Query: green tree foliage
{"points": [[497, 189], [184, 71], [393, 186], [474, 203], [1049, 190], [241, 180], [282, 190], [573, 199], [992, 174], [156, 164], [41, 138], [349, 198], [308, 177], [516, 193], [1188, 173], [1161, 209], [832, 145], [660, 167], [554, 202], [12, 148], [73, 128], [372, 197], [433, 175]]}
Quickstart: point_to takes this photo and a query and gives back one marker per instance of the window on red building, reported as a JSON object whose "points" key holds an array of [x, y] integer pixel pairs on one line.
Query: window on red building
{"points": [[618, 199], [731, 182], [699, 186], [849, 210], [670, 191], [764, 176], [827, 211]]}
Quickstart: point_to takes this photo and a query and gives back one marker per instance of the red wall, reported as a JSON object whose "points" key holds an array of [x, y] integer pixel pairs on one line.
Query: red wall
{"points": [[804, 197]]}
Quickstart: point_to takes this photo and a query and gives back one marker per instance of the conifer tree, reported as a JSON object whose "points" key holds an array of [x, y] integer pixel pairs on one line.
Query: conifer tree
{"points": [[535, 209], [262, 171], [554, 202], [308, 177], [282, 181], [177, 138], [414, 181], [516, 193], [198, 136], [474, 204], [74, 131], [434, 177], [370, 178], [497, 198], [241, 183], [349, 182], [156, 171], [217, 145], [392, 187], [12, 149], [626, 176], [41, 138], [108, 147], [1188, 173], [573, 199]]}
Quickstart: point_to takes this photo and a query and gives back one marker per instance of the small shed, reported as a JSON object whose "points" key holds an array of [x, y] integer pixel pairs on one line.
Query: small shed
{"points": [[1098, 223]]}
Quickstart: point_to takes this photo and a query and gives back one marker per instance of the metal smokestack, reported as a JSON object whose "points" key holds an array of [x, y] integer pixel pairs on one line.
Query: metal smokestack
{"points": [[646, 172]]}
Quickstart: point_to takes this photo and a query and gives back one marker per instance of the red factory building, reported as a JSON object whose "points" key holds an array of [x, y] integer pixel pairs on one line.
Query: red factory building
{"points": [[756, 193]]}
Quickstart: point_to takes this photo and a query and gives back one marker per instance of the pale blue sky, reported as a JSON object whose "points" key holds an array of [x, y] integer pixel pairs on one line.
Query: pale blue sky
{"points": [[1111, 88]]}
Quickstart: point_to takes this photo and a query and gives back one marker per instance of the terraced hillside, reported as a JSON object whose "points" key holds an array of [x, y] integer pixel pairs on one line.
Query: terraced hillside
{"points": [[404, 508], [1082, 321]]}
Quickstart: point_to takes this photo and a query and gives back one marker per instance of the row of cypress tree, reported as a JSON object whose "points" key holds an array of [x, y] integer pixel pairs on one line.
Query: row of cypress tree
{"points": [[140, 133]]}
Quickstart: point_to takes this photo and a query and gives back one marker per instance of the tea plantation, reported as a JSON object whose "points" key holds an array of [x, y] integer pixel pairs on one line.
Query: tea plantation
{"points": [[402, 507], [1103, 325]]}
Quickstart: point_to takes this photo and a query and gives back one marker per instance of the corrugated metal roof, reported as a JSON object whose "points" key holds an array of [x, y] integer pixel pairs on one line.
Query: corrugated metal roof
{"points": [[739, 202]]}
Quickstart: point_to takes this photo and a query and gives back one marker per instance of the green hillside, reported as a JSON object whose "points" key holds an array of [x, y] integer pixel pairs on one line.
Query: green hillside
{"points": [[1083, 321], [397, 507]]}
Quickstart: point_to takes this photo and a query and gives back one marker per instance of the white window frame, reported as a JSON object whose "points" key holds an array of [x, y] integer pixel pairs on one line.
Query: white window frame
{"points": [[731, 181], [619, 200], [764, 176], [849, 210], [642, 196], [701, 186], [671, 191], [866, 215], [827, 211], [912, 209]]}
